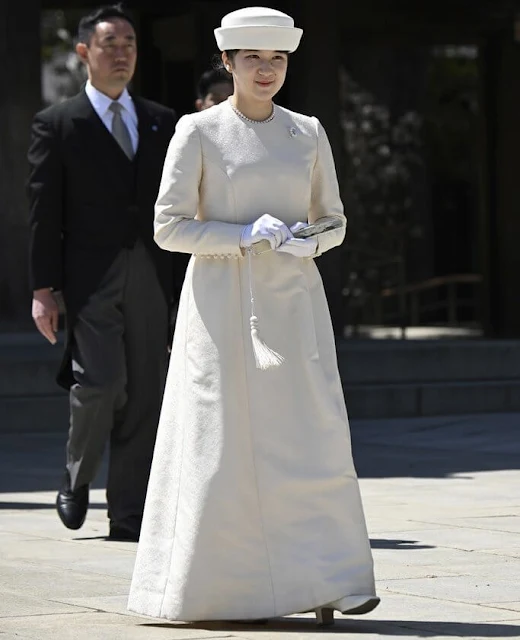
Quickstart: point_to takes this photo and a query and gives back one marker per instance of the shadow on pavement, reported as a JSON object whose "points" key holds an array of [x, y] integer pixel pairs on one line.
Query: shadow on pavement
{"points": [[433, 447], [36, 462], [436, 447], [27, 506], [385, 628], [383, 543]]}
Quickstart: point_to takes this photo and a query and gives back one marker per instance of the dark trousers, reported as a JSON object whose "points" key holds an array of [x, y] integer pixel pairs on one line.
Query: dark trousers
{"points": [[119, 361]]}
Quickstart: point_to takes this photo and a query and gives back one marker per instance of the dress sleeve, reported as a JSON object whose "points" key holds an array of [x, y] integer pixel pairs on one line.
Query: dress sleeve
{"points": [[176, 228], [325, 198]]}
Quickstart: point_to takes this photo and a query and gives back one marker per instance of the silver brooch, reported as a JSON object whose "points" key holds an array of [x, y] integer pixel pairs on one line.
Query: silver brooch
{"points": [[292, 132]]}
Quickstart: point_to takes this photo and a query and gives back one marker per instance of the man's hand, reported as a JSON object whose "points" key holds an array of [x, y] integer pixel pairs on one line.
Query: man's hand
{"points": [[45, 314]]}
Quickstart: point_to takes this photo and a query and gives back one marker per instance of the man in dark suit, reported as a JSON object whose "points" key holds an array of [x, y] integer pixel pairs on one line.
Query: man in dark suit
{"points": [[95, 166]]}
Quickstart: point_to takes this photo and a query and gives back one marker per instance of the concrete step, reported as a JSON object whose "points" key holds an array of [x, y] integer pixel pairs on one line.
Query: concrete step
{"points": [[400, 361], [381, 379], [50, 413], [35, 414], [28, 365], [430, 399]]}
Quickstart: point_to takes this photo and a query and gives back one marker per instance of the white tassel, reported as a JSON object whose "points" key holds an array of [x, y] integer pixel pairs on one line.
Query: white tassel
{"points": [[265, 357]]}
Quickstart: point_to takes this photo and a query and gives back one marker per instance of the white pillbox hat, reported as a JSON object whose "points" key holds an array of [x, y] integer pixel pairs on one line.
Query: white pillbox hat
{"points": [[258, 28]]}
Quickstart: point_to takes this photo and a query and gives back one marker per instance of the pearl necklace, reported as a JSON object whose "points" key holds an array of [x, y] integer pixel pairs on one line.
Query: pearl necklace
{"points": [[241, 115]]}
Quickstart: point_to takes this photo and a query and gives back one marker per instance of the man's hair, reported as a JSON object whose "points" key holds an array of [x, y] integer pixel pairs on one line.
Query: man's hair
{"points": [[210, 78], [87, 24]]}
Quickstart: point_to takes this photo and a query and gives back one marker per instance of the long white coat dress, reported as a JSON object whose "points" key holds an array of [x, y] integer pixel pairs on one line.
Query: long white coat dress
{"points": [[253, 507]]}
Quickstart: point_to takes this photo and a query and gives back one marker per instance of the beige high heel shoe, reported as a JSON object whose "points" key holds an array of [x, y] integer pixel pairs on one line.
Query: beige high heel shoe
{"points": [[324, 616], [364, 607]]}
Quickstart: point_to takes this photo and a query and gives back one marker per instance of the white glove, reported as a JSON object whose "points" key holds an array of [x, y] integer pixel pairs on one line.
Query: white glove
{"points": [[265, 228], [299, 247]]}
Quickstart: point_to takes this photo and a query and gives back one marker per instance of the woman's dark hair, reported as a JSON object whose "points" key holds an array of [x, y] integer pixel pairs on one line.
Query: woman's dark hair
{"points": [[219, 65], [87, 24]]}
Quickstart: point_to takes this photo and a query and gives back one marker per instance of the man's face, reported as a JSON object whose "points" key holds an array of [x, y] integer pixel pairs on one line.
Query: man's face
{"points": [[217, 93], [111, 54]]}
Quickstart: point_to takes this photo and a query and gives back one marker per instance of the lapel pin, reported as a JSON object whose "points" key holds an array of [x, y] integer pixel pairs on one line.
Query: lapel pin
{"points": [[292, 132]]}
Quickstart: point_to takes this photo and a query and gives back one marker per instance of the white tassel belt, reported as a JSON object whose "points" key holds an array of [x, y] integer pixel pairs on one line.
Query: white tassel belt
{"points": [[265, 357]]}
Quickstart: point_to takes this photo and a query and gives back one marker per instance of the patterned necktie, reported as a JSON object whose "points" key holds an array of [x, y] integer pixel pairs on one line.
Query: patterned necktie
{"points": [[120, 130]]}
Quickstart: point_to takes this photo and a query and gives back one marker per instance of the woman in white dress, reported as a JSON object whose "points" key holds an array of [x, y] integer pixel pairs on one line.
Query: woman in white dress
{"points": [[253, 508]]}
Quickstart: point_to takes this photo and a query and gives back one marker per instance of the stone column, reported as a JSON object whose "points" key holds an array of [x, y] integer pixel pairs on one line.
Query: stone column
{"points": [[500, 228], [20, 95]]}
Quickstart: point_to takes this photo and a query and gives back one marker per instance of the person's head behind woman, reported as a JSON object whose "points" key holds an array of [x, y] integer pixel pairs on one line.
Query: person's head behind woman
{"points": [[255, 43]]}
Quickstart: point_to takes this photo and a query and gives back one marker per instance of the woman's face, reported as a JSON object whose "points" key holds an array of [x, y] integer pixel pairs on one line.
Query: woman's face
{"points": [[258, 75]]}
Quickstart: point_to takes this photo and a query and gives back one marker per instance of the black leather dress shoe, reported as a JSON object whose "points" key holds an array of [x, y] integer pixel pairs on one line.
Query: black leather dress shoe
{"points": [[121, 534], [72, 506]]}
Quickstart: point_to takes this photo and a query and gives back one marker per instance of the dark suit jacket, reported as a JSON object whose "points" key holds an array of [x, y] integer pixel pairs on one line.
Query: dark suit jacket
{"points": [[88, 200]]}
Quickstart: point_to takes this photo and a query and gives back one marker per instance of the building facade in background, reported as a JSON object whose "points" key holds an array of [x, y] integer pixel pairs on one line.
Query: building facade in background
{"points": [[420, 101]]}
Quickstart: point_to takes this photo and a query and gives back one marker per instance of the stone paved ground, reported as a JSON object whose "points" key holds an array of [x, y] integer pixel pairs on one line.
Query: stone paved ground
{"points": [[442, 498]]}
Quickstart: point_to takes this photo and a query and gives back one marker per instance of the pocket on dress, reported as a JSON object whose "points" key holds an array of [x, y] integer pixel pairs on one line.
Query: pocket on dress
{"points": [[306, 321]]}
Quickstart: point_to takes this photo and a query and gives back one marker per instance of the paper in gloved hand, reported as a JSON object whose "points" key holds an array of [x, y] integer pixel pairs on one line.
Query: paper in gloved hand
{"points": [[302, 230]]}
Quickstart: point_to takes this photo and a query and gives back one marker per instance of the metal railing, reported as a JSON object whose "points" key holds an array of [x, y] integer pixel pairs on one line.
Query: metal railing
{"points": [[451, 304], [378, 294]]}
